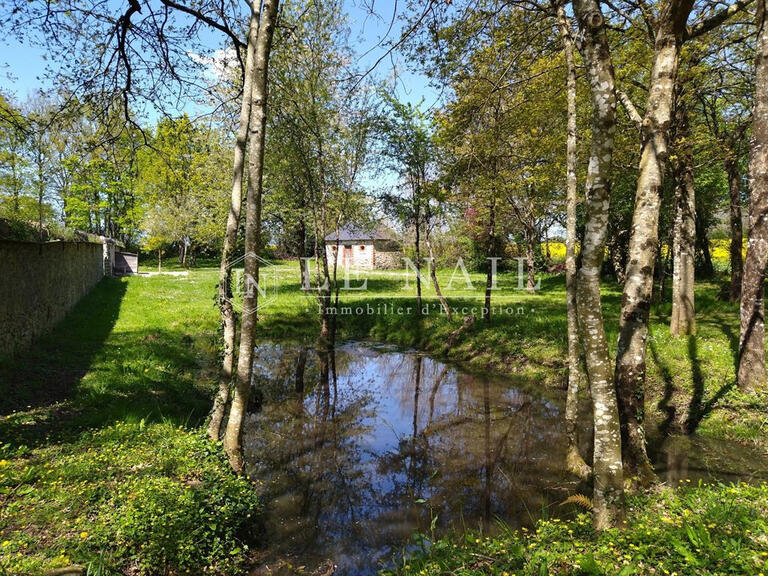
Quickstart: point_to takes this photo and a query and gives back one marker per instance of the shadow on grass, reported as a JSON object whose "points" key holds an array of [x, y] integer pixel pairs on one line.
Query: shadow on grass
{"points": [[669, 425], [698, 408], [85, 375], [50, 369]]}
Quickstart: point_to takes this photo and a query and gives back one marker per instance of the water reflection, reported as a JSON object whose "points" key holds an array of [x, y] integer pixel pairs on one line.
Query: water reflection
{"points": [[361, 448], [693, 458]]}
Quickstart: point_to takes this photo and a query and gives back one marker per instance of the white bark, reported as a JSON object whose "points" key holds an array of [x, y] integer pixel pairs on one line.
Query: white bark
{"points": [[226, 311], [257, 125]]}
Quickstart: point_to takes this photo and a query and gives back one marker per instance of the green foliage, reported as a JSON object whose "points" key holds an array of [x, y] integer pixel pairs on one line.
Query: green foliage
{"points": [[501, 146], [192, 513], [708, 530], [103, 462], [184, 180], [318, 132]]}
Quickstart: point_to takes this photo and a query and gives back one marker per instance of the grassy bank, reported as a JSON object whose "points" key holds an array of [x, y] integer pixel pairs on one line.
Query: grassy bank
{"points": [[691, 380], [703, 530], [102, 461]]}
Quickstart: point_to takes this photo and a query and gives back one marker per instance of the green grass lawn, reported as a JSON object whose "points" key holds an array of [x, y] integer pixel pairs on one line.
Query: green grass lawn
{"points": [[102, 460], [102, 457]]}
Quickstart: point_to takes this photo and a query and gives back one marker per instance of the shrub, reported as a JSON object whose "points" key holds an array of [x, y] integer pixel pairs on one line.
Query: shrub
{"points": [[199, 521]]}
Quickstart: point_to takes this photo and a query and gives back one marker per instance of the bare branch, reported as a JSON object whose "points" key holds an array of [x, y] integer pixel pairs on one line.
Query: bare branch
{"points": [[715, 20], [632, 112]]}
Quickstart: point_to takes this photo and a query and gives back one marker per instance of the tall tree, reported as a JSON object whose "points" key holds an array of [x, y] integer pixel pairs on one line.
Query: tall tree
{"points": [[752, 373], [574, 460], [669, 30], [407, 146], [256, 129], [319, 139], [225, 293], [13, 158], [607, 462]]}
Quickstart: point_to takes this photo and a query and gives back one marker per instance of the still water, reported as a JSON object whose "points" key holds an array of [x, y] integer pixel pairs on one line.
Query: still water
{"points": [[361, 448]]}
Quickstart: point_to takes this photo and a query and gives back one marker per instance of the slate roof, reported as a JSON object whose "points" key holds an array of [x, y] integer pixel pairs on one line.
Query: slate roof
{"points": [[354, 233]]}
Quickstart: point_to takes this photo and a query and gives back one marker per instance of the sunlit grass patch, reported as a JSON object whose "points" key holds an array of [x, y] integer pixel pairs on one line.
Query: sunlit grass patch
{"points": [[707, 529], [111, 471]]}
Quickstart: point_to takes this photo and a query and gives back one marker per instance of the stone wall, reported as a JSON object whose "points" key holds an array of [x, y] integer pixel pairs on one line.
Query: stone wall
{"points": [[40, 283], [388, 260]]}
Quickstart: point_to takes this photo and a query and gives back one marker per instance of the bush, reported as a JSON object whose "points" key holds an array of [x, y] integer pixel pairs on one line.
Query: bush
{"points": [[198, 522], [129, 498]]}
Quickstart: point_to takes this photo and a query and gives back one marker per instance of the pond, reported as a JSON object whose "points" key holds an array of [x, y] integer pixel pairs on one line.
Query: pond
{"points": [[362, 448]]}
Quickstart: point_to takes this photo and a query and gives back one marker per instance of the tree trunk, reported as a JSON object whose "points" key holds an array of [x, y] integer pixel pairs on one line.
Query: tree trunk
{"points": [[336, 287], [226, 311], [707, 269], [644, 240], [608, 474], [752, 338], [159, 260], [323, 274], [616, 256], [417, 255], [257, 125], [574, 461], [737, 262], [660, 272], [530, 238], [302, 250], [433, 276], [683, 320], [490, 251], [304, 273]]}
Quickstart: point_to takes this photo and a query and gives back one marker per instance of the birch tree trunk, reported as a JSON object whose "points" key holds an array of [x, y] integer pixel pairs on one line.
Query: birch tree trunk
{"points": [[608, 474], [683, 320], [226, 312], [734, 212], [417, 249], [752, 338], [433, 276], [643, 244], [490, 254], [257, 125], [530, 237], [574, 461]]}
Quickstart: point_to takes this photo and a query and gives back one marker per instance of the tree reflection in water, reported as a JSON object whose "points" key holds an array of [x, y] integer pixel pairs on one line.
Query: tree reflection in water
{"points": [[360, 448]]}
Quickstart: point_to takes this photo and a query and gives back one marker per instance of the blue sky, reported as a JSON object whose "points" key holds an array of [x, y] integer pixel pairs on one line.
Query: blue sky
{"points": [[22, 66]]}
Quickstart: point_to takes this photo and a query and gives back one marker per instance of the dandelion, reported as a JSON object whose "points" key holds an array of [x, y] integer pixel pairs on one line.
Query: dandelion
{"points": [[83, 535]]}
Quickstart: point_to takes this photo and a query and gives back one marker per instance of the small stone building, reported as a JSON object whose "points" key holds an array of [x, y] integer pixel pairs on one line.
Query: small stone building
{"points": [[363, 248]]}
